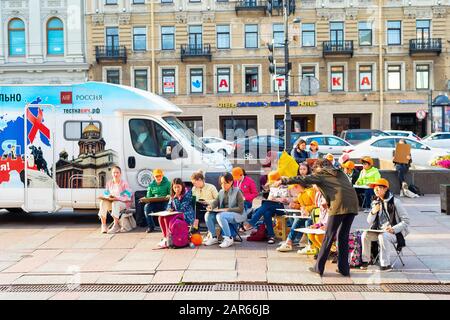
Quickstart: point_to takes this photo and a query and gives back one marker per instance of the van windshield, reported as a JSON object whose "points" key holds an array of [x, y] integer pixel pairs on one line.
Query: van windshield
{"points": [[181, 128]]}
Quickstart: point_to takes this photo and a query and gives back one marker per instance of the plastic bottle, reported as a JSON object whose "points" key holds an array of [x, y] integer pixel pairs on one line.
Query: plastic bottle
{"points": [[191, 245]]}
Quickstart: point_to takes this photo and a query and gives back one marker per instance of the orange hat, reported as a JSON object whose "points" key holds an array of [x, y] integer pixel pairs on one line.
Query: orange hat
{"points": [[329, 157], [348, 165], [380, 182], [237, 173], [367, 159], [314, 143], [157, 172], [273, 176]]}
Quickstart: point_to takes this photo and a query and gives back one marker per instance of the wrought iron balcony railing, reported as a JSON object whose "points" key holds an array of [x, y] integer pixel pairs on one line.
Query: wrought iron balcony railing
{"points": [[431, 45], [344, 47], [111, 53], [195, 51]]}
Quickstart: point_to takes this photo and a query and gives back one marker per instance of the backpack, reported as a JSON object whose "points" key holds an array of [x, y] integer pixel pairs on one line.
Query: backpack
{"points": [[259, 234], [127, 222], [355, 249], [178, 233], [415, 189]]}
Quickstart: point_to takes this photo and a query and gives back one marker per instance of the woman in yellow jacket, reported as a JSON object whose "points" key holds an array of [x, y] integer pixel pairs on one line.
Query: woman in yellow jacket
{"points": [[305, 203]]}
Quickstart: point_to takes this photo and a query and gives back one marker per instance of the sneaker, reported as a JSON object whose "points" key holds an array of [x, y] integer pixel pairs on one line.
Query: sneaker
{"points": [[271, 240], [150, 230], [162, 243], [211, 241], [115, 229], [304, 250], [364, 266], [386, 268], [227, 241], [104, 228], [344, 274], [284, 247]]}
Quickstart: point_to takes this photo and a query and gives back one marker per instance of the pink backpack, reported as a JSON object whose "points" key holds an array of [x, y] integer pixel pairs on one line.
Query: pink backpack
{"points": [[178, 233]]}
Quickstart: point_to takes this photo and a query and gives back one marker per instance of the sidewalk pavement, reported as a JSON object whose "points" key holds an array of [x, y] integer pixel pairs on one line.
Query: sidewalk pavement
{"points": [[38, 253]]}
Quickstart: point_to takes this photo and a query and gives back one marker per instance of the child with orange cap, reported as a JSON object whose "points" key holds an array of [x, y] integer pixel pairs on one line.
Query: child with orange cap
{"points": [[314, 150], [278, 196], [369, 174], [246, 184], [158, 188], [349, 169]]}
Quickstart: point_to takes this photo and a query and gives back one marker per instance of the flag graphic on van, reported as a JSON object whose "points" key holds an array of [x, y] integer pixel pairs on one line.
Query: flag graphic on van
{"points": [[36, 124]]}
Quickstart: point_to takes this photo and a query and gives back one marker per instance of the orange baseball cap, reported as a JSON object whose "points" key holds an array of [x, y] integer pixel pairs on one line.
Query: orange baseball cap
{"points": [[157, 172], [329, 157], [273, 176], [314, 143], [237, 173], [367, 159], [348, 165], [380, 182]]}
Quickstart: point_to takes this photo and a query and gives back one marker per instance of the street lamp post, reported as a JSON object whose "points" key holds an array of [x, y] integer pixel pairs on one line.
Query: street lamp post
{"points": [[287, 112]]}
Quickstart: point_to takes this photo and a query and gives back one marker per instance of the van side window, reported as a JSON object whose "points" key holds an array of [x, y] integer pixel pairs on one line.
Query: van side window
{"points": [[82, 130], [163, 138], [142, 137]]}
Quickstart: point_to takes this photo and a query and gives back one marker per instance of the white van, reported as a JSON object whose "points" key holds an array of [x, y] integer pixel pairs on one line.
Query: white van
{"points": [[74, 134]]}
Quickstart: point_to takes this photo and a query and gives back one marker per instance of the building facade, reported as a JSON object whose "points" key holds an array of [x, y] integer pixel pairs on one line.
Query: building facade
{"points": [[376, 61], [42, 42]]}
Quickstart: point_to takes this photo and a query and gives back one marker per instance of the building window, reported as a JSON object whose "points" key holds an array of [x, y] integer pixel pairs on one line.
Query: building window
{"points": [[167, 38], [196, 76], [73, 130], [365, 33], [139, 38], [422, 76], [308, 35], [113, 76], [111, 2], [112, 37], [394, 77], [279, 82], [337, 78], [337, 32], [423, 30], [251, 79], [238, 127], [168, 81], [365, 78], [278, 35], [308, 71], [223, 37], [195, 38], [394, 33], [195, 124], [251, 36], [16, 37], [141, 79], [55, 36], [223, 80]]}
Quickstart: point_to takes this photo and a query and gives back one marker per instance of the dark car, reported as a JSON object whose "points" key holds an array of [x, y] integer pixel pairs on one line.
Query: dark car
{"points": [[257, 147], [355, 136]]}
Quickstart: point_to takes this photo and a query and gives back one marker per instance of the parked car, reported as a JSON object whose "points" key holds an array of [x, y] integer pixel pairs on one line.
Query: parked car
{"points": [[355, 136], [403, 133], [257, 147], [296, 135], [328, 143], [219, 145], [438, 140], [383, 147]]}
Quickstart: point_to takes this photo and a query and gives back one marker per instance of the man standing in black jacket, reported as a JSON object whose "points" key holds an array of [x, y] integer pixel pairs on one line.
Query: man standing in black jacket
{"points": [[343, 206]]}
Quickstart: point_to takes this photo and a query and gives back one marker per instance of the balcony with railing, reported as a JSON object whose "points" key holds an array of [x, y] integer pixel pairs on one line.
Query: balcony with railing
{"points": [[111, 53], [195, 51], [251, 5], [338, 48], [421, 46]]}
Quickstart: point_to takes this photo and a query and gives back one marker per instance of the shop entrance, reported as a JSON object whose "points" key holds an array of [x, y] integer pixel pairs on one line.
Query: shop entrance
{"points": [[409, 122], [343, 122]]}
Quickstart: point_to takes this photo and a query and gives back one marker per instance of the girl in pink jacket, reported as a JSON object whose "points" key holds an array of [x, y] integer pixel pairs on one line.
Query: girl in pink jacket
{"points": [[246, 184]]}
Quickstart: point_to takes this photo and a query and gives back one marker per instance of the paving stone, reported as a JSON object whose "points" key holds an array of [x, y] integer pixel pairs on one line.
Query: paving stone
{"points": [[144, 255], [174, 263], [288, 264], [431, 251], [300, 296], [394, 296], [26, 295], [253, 295], [421, 277], [66, 296], [348, 296], [436, 263], [125, 279], [123, 241], [193, 276], [252, 264], [168, 277], [139, 265], [112, 296], [9, 278], [159, 296], [249, 276], [303, 277], [70, 279], [438, 296], [442, 277], [65, 239], [36, 259], [217, 295], [212, 264]]}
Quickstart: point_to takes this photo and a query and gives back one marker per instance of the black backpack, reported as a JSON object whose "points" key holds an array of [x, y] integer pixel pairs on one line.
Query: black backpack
{"points": [[415, 189]]}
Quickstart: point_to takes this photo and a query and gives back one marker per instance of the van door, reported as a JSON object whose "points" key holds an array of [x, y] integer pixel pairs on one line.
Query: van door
{"points": [[145, 143], [39, 169]]}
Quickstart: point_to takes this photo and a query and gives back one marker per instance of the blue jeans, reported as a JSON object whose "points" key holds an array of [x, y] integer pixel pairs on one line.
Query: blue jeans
{"points": [[247, 205], [267, 210], [298, 223], [368, 193], [153, 207], [211, 220], [225, 219]]}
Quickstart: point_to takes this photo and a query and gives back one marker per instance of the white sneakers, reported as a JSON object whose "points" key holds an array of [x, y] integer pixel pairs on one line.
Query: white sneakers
{"points": [[285, 247], [211, 241], [115, 229], [304, 250], [104, 228], [227, 242]]}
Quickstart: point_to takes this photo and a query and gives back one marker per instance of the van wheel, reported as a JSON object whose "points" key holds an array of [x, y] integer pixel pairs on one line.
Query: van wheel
{"points": [[15, 210]]}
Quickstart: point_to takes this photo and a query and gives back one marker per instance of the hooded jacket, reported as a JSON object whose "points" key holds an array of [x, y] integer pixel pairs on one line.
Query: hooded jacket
{"points": [[335, 187], [159, 190]]}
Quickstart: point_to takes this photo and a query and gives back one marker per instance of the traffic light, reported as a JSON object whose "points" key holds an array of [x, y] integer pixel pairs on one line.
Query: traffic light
{"points": [[272, 62]]}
